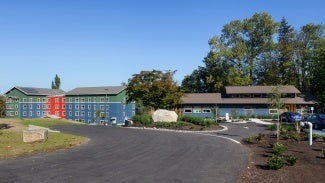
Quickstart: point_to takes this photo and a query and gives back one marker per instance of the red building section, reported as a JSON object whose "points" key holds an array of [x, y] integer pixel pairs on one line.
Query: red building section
{"points": [[55, 106]]}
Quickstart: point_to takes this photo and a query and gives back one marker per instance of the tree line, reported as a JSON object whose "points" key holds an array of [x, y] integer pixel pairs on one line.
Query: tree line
{"points": [[260, 51]]}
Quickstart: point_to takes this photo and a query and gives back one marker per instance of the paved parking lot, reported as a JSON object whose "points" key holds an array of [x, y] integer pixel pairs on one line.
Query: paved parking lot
{"points": [[130, 155]]}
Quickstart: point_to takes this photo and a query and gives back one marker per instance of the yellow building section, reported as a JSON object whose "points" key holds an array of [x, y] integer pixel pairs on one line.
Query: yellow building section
{"points": [[290, 108]]}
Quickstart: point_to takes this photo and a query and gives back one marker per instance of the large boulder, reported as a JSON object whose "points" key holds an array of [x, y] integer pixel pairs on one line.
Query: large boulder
{"points": [[36, 135], [162, 115]]}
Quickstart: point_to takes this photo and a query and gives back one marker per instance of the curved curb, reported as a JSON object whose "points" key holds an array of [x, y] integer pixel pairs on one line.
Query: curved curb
{"points": [[206, 133]]}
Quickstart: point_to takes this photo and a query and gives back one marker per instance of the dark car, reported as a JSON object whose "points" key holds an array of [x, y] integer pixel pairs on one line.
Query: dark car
{"points": [[290, 117], [318, 121]]}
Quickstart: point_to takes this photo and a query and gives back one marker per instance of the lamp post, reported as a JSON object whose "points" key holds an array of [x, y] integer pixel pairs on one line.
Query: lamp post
{"points": [[105, 109]]}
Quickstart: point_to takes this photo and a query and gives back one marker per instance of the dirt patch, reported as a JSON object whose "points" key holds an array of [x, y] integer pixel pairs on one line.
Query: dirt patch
{"points": [[13, 124], [310, 164]]}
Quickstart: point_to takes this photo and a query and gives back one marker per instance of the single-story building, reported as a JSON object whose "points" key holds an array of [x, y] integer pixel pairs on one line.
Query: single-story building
{"points": [[249, 101]]}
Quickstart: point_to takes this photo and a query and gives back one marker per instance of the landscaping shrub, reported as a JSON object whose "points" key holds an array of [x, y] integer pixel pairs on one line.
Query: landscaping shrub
{"points": [[278, 149], [273, 127], [291, 159], [143, 119], [275, 162], [260, 137], [250, 140], [205, 122]]}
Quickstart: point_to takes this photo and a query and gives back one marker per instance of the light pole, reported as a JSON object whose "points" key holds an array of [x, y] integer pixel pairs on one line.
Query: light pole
{"points": [[106, 90]]}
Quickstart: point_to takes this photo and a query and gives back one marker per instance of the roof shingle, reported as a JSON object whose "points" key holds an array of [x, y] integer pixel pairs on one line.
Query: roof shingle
{"points": [[259, 89], [110, 90]]}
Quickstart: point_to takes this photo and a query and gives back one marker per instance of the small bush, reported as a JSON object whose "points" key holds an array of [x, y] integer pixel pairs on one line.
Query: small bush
{"points": [[291, 159], [278, 149], [317, 136], [275, 162], [260, 137], [143, 119], [250, 140]]}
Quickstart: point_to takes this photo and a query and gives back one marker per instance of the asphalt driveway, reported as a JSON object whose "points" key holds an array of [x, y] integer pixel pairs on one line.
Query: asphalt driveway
{"points": [[130, 155]]}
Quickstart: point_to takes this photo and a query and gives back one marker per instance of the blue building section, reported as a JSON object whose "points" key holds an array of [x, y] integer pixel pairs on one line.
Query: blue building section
{"points": [[86, 112], [243, 110], [32, 110], [207, 111]]}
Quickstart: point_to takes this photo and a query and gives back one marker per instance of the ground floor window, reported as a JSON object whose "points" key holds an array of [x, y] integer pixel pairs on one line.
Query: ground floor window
{"points": [[273, 111], [206, 110], [197, 110], [188, 110]]}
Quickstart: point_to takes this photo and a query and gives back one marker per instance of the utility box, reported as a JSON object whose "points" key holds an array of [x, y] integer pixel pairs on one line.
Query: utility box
{"points": [[113, 120]]}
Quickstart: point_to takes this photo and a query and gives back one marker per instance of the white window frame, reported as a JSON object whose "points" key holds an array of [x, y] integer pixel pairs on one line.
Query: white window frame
{"points": [[273, 111], [197, 110], [188, 110], [206, 110]]}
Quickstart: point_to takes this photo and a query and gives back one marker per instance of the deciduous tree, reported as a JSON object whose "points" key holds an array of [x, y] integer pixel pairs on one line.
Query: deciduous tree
{"points": [[154, 89]]}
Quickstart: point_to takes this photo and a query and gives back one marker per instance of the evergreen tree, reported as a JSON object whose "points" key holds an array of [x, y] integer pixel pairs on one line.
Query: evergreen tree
{"points": [[56, 83], [286, 52]]}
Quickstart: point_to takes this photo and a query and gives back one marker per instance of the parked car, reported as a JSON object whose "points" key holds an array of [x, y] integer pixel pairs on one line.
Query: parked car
{"points": [[290, 117], [318, 121]]}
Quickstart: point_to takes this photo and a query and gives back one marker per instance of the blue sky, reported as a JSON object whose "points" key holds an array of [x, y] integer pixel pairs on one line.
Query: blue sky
{"points": [[105, 42]]}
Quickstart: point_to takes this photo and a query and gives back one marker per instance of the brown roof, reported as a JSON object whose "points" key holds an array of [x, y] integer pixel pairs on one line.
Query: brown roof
{"points": [[259, 89], [215, 98], [201, 98]]}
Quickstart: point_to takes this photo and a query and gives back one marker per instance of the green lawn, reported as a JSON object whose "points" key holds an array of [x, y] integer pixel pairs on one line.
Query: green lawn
{"points": [[47, 122], [12, 145]]}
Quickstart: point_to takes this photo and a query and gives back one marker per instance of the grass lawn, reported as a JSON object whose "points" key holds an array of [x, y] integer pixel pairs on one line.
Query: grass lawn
{"points": [[12, 145]]}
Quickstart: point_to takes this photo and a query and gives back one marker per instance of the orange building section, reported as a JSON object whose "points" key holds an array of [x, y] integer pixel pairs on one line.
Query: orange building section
{"points": [[55, 106]]}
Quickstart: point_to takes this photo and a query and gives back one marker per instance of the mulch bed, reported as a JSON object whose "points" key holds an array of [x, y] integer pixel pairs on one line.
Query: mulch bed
{"points": [[186, 127], [310, 164]]}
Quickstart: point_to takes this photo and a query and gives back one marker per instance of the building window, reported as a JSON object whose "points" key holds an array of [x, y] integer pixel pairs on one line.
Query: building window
{"points": [[56, 106], [43, 99], [56, 100], [76, 113], [82, 107], [102, 99], [24, 99], [16, 106], [63, 113], [43, 106], [63, 99], [82, 114], [188, 110], [102, 107], [95, 99], [48, 106], [43, 113], [56, 113], [76, 106], [24, 113], [48, 100], [30, 106], [16, 113], [197, 110], [30, 99], [38, 113], [38, 99], [76, 99], [273, 111], [89, 99], [38, 106], [89, 107], [82, 99], [95, 107], [30, 113], [70, 113], [70, 99], [70, 106], [206, 110], [89, 114]]}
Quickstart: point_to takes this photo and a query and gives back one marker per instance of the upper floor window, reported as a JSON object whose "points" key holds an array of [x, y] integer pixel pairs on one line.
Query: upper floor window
{"points": [[24, 99], [56, 99], [76, 99], [82, 99], [30, 99]]}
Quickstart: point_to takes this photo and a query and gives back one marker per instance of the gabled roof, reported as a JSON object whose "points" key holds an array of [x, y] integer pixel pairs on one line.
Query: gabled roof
{"points": [[201, 98], [259, 89], [109, 90], [38, 91]]}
